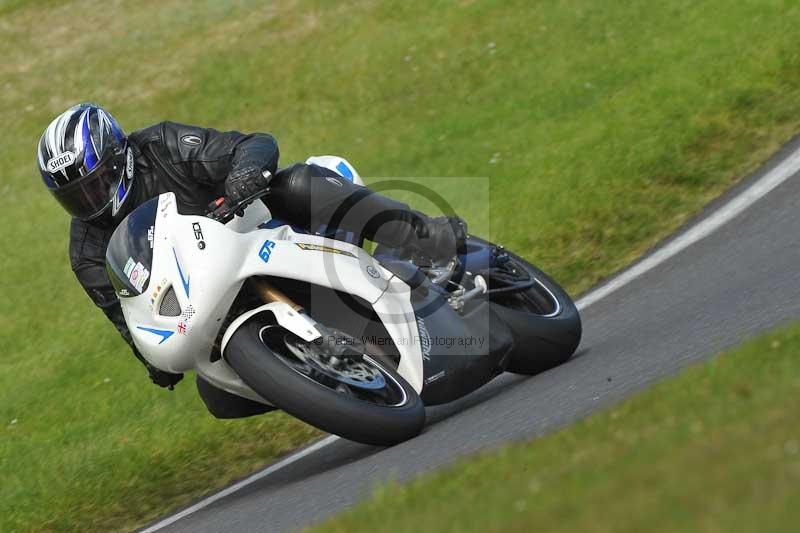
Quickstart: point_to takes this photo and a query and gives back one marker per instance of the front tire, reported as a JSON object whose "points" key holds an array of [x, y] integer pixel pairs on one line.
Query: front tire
{"points": [[274, 377]]}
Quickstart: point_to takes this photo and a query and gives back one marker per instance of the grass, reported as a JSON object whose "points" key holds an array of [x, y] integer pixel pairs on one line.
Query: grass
{"points": [[716, 448], [601, 127]]}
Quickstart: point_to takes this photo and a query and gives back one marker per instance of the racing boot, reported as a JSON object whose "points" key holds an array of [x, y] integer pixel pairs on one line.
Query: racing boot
{"points": [[440, 238]]}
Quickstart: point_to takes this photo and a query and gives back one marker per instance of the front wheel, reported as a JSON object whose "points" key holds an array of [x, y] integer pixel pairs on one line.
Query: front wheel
{"points": [[362, 399]]}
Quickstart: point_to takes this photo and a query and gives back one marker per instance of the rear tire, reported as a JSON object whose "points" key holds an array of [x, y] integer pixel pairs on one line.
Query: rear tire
{"points": [[314, 403], [544, 337]]}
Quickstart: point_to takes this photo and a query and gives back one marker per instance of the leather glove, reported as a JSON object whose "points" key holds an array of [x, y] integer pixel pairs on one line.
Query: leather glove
{"points": [[158, 377], [167, 380], [244, 184]]}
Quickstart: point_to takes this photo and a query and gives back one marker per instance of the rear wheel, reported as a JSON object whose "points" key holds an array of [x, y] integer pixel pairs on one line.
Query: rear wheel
{"points": [[359, 398], [543, 318]]}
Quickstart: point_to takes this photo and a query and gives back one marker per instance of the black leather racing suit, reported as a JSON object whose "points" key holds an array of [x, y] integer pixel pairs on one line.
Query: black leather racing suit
{"points": [[193, 163]]}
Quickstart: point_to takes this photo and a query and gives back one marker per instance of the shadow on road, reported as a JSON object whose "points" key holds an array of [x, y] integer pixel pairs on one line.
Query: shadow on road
{"points": [[502, 383]]}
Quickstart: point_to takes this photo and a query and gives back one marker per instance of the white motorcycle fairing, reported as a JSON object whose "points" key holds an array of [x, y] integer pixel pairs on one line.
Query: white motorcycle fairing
{"points": [[202, 264]]}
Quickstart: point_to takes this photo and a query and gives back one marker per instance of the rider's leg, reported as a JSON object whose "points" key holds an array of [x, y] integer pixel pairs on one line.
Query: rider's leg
{"points": [[316, 197]]}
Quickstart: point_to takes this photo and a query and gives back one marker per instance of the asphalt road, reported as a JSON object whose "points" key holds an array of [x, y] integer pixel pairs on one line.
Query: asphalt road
{"points": [[742, 279]]}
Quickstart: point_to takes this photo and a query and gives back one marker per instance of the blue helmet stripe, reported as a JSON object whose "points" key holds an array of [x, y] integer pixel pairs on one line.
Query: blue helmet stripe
{"points": [[90, 157], [121, 191], [116, 130], [48, 180]]}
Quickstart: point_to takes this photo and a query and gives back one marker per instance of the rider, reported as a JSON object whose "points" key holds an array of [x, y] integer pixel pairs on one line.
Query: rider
{"points": [[99, 175]]}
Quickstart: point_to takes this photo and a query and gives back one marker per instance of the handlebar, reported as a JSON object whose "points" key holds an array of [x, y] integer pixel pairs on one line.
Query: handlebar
{"points": [[220, 211]]}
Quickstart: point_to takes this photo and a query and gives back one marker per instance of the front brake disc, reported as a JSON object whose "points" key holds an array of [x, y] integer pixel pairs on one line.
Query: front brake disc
{"points": [[356, 373]]}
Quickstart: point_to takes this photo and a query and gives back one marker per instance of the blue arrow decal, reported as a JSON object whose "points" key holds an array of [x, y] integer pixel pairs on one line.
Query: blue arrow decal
{"points": [[163, 333], [184, 280]]}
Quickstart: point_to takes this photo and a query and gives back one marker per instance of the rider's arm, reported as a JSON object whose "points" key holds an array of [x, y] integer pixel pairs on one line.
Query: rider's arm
{"points": [[208, 156], [87, 257], [87, 246]]}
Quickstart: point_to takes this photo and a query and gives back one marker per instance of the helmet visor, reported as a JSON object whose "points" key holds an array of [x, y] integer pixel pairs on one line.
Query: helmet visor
{"points": [[90, 195]]}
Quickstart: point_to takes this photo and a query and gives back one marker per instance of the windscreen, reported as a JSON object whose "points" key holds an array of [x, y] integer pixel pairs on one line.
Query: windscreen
{"points": [[129, 258]]}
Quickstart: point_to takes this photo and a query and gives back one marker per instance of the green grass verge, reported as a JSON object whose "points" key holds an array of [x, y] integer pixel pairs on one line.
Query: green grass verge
{"points": [[716, 448], [602, 126]]}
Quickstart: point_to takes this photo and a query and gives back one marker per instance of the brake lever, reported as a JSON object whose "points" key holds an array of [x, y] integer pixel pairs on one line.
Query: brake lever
{"points": [[220, 211]]}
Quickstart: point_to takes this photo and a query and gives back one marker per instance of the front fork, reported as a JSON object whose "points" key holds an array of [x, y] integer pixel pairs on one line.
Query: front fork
{"points": [[270, 293], [336, 350]]}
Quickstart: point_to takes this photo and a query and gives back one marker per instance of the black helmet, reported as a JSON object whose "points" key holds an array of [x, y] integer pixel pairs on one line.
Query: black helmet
{"points": [[85, 161]]}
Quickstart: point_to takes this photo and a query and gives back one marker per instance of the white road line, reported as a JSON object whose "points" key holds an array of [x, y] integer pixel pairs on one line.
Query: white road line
{"points": [[243, 483], [785, 170]]}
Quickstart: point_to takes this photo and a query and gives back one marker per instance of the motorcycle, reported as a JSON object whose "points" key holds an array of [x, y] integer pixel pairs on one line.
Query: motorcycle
{"points": [[356, 344]]}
